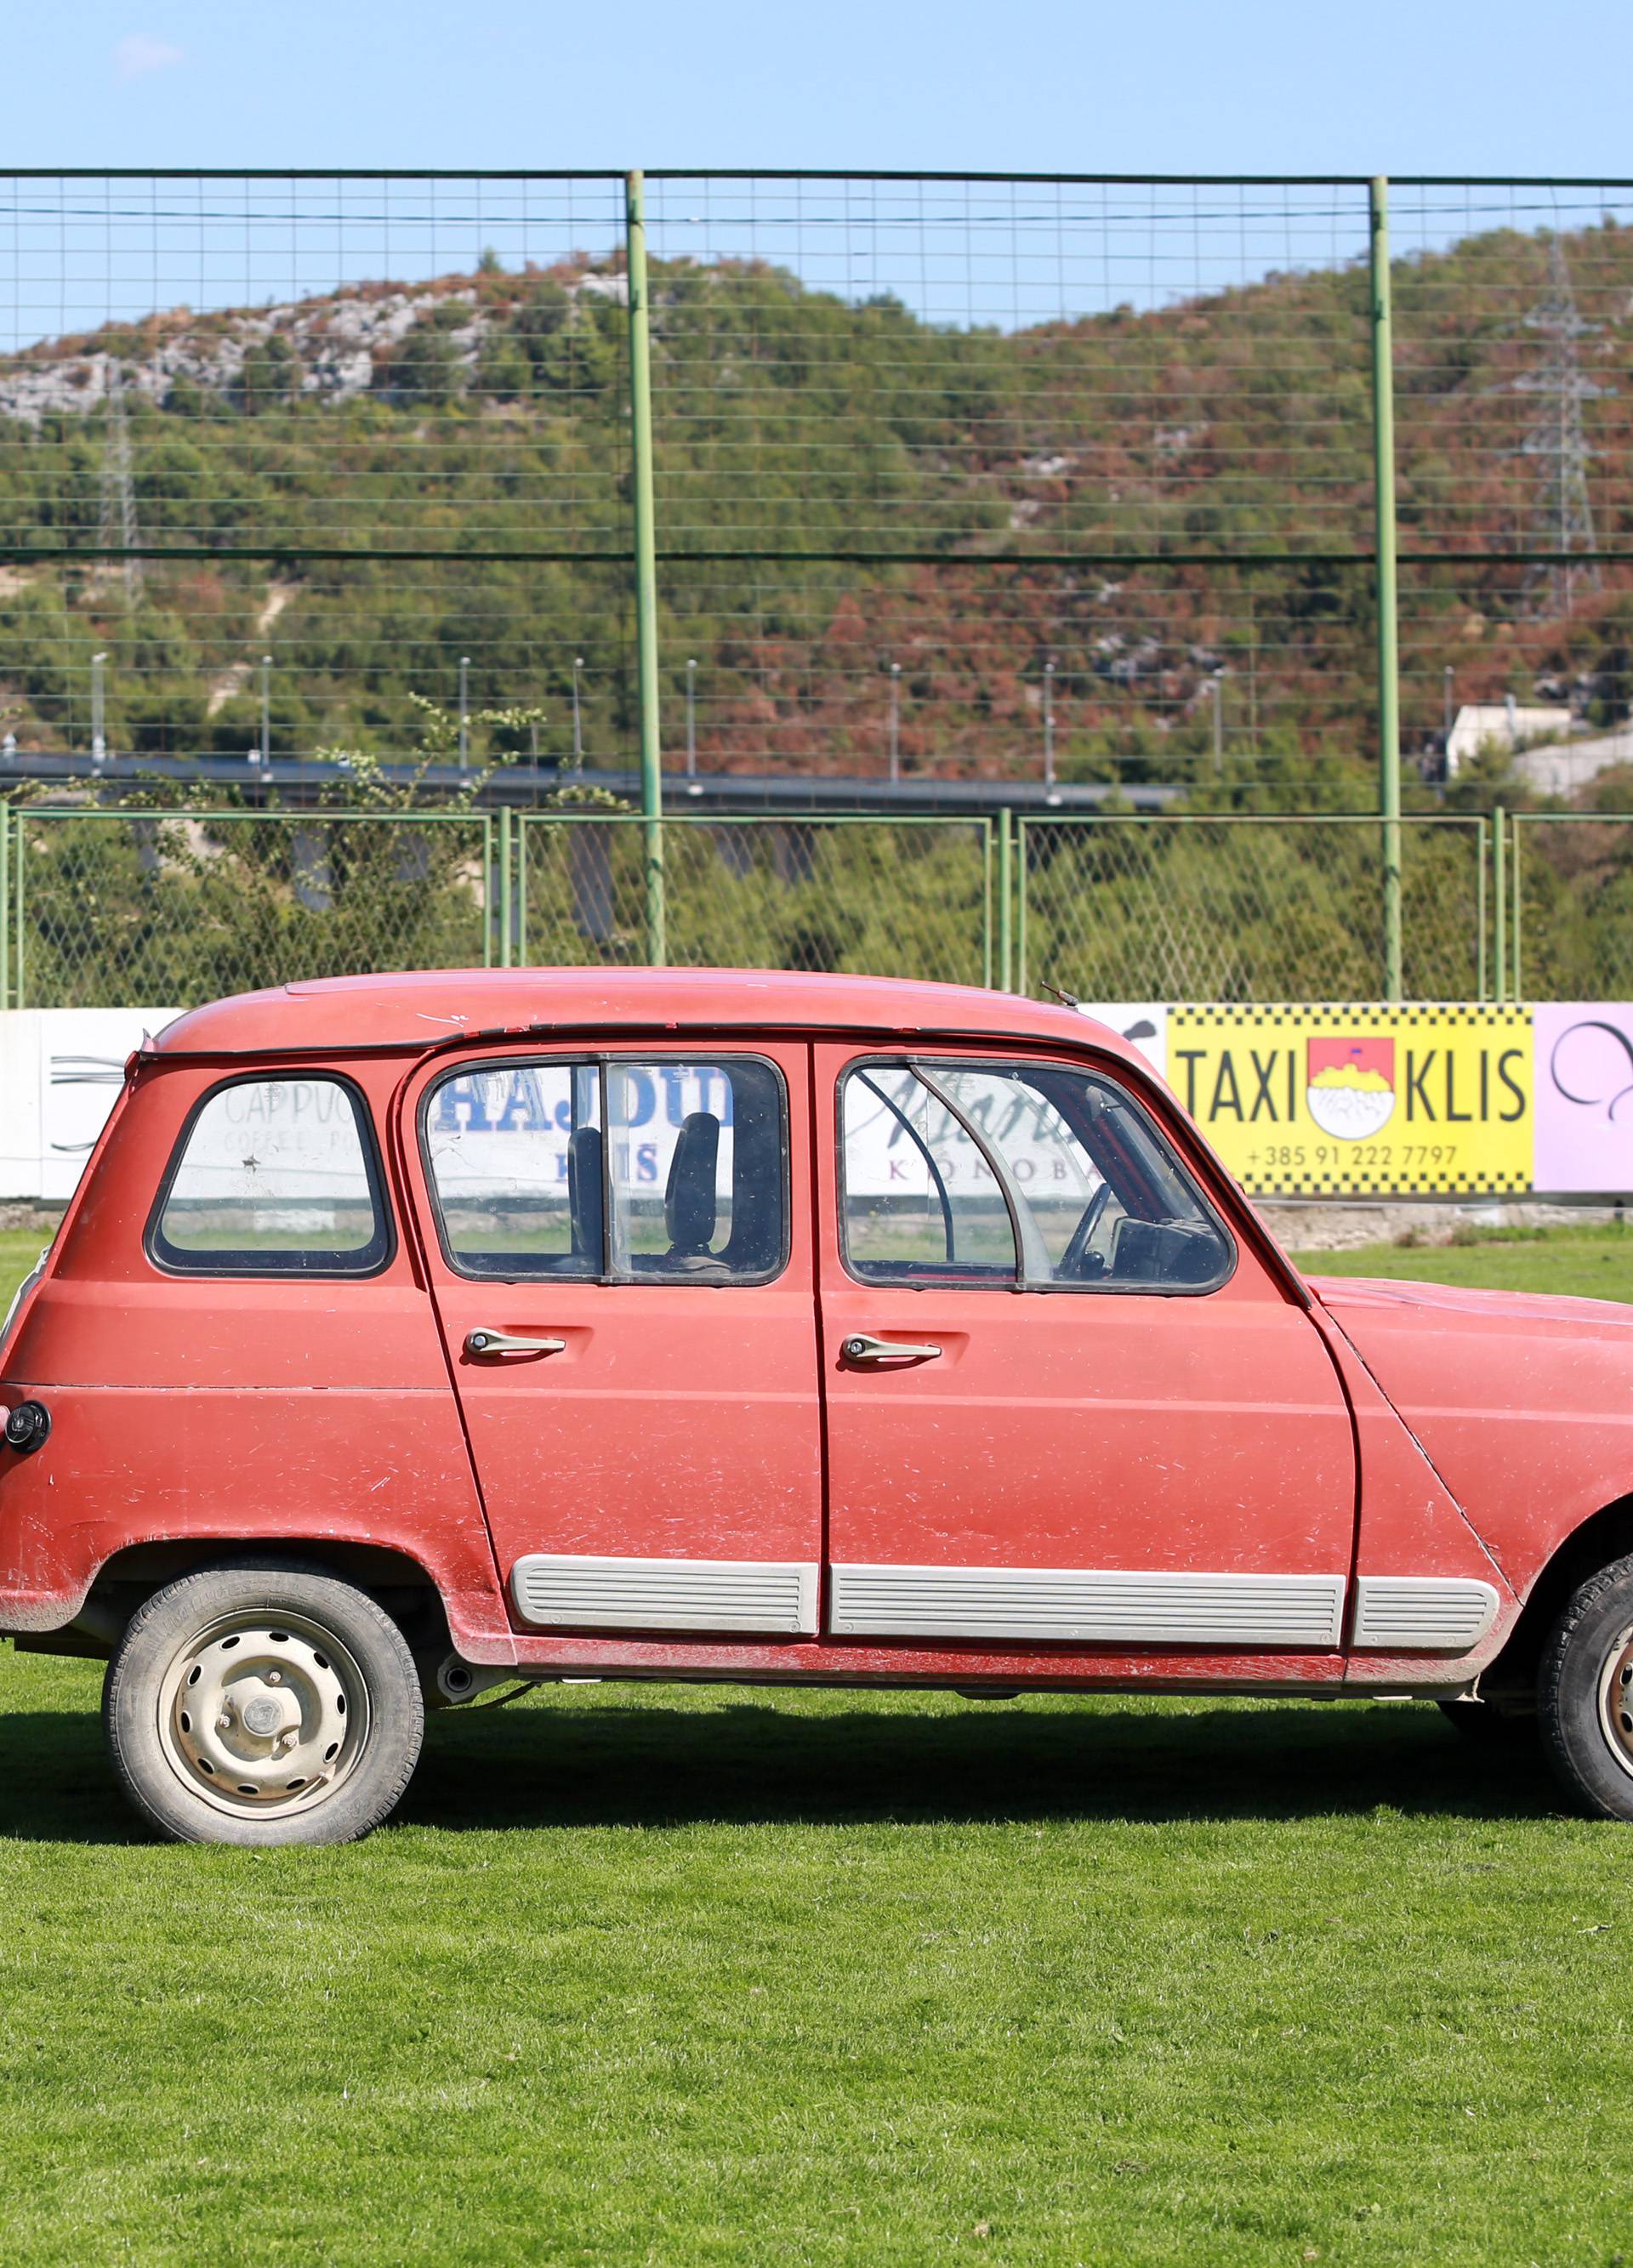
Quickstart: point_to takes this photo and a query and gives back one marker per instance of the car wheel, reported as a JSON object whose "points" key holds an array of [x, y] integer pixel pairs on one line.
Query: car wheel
{"points": [[1585, 1693], [262, 1705], [1485, 1726]]}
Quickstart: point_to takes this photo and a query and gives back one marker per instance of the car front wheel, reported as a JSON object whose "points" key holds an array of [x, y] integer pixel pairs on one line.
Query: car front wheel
{"points": [[1585, 1693], [262, 1705]]}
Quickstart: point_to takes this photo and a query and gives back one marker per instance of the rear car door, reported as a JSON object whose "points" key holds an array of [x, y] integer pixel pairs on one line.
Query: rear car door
{"points": [[1066, 1404], [624, 1289]]}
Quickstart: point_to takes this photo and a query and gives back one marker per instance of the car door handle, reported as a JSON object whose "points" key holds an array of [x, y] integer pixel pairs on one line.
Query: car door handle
{"points": [[485, 1342], [877, 1351]]}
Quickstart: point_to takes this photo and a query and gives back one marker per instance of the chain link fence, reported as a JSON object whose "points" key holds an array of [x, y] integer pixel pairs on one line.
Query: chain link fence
{"points": [[104, 907], [1247, 907], [110, 908], [887, 898], [1571, 895]]}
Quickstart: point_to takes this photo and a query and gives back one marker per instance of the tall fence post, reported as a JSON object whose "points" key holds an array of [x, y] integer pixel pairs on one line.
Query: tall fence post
{"points": [[19, 928], [1484, 846], [645, 560], [1006, 900], [5, 904], [1499, 893], [1384, 517], [506, 900]]}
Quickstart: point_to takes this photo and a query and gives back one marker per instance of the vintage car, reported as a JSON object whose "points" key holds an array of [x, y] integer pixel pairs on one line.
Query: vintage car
{"points": [[410, 1334]]}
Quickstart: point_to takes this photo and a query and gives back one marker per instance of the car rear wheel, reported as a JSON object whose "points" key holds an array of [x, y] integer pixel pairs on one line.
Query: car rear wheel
{"points": [[1585, 1693], [261, 1705]]}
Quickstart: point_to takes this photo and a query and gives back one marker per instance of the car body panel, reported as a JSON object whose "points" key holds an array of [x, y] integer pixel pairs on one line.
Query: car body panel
{"points": [[1523, 1403], [678, 1421], [1346, 1435], [207, 1406], [1123, 1433]]}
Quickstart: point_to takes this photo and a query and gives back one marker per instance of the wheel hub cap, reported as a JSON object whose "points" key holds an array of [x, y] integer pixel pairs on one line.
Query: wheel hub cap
{"points": [[261, 1716], [1616, 1700]]}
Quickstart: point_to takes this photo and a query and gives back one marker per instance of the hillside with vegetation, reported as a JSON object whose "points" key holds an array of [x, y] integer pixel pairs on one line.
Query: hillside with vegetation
{"points": [[487, 415]]}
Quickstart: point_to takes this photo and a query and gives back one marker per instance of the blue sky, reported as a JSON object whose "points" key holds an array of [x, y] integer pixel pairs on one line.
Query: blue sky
{"points": [[1437, 86]]}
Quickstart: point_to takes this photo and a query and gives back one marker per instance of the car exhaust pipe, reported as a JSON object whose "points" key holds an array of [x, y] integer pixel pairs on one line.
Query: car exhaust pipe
{"points": [[458, 1680]]}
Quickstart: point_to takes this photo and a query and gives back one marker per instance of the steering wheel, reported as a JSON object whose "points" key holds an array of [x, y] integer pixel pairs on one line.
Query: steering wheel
{"points": [[1077, 1262]]}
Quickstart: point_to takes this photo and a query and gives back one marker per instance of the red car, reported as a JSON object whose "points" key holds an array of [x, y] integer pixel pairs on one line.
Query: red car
{"points": [[410, 1334]]}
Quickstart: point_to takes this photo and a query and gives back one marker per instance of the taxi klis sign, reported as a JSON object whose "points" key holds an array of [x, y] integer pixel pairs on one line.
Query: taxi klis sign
{"points": [[1331, 1101]]}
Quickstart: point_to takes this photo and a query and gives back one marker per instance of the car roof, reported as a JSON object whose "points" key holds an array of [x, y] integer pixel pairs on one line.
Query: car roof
{"points": [[423, 1008]]}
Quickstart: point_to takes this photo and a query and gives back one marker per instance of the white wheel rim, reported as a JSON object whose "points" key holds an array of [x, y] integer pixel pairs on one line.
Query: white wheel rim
{"points": [[1616, 1700], [262, 1715]]}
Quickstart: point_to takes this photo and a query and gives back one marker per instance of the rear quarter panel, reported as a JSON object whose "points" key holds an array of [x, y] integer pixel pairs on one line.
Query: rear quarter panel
{"points": [[189, 1408]]}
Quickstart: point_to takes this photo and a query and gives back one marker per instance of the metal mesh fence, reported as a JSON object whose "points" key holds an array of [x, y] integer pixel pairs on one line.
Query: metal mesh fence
{"points": [[886, 898], [966, 468], [1513, 313], [1053, 481], [366, 435], [153, 907], [884, 391], [1240, 908], [171, 908], [1572, 907]]}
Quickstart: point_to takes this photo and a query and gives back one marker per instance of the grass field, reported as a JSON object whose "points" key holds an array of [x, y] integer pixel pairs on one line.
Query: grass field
{"points": [[728, 1977]]}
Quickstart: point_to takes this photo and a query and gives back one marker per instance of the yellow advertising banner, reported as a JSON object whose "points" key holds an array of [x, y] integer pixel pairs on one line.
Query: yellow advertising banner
{"points": [[1363, 1100]]}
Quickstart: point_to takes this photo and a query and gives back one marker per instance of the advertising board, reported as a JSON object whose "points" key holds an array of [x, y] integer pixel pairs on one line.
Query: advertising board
{"points": [[1361, 1100], [1583, 1079], [1432, 1100]]}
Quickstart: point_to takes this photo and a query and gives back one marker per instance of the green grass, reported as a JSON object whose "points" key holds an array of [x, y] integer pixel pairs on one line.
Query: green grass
{"points": [[1595, 1263], [711, 1977], [19, 1249]]}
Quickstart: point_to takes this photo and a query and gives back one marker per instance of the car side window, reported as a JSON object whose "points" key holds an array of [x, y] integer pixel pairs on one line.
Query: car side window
{"points": [[274, 1176], [515, 1155], [612, 1170], [1072, 1184], [921, 1205]]}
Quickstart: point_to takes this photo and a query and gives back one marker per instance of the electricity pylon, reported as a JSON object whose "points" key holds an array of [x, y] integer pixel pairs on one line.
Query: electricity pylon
{"points": [[1563, 515]]}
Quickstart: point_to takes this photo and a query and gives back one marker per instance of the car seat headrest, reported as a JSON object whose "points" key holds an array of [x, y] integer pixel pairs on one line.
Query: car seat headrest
{"points": [[689, 1197]]}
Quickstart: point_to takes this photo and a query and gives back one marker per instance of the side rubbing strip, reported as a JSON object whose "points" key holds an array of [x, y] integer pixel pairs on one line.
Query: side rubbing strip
{"points": [[1422, 1613], [1263, 1613], [565, 1591]]}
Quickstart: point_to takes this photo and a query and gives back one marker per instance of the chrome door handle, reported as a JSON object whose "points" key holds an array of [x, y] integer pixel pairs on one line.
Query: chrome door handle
{"points": [[502, 1343], [877, 1351]]}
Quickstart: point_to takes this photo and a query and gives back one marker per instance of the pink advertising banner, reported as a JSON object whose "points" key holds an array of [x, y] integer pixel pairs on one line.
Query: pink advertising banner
{"points": [[1583, 1061]]}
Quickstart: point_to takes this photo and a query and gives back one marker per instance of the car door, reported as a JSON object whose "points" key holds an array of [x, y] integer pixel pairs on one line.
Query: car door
{"points": [[1065, 1403], [624, 1290]]}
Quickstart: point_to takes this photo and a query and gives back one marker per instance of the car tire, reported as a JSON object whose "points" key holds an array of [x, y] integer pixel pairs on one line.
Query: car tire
{"points": [[1485, 1726], [1585, 1693], [261, 1703]]}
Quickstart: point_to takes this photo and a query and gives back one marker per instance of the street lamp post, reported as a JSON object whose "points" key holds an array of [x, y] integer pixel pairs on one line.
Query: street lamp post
{"points": [[99, 735], [1048, 722], [266, 710], [896, 721], [464, 711], [691, 720]]}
